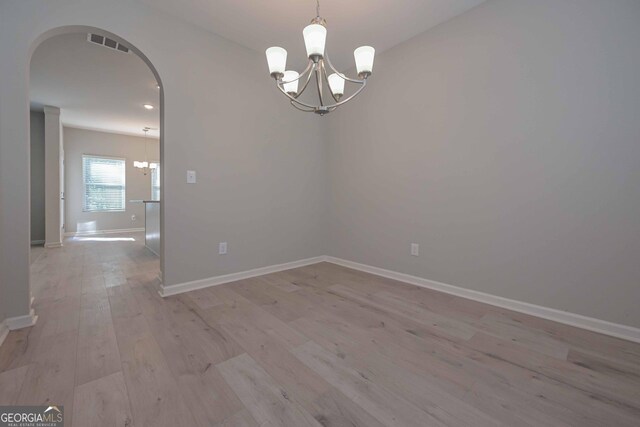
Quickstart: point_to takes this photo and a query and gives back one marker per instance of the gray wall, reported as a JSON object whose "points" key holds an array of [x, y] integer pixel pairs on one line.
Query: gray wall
{"points": [[507, 143], [138, 186], [37, 176]]}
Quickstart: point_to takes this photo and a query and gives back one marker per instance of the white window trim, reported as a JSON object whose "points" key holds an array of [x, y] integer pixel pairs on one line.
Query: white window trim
{"points": [[84, 186]]}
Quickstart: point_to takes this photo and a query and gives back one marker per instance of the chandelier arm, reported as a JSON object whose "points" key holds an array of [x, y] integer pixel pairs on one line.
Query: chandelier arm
{"points": [[324, 72], [319, 83], [308, 70], [306, 83], [349, 98], [297, 101], [349, 79], [309, 65], [315, 107], [306, 110]]}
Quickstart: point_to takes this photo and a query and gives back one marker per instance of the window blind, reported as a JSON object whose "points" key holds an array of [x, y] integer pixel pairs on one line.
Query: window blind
{"points": [[104, 184]]}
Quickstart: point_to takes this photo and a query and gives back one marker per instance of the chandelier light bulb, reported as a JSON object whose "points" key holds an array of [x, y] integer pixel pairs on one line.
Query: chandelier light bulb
{"points": [[277, 60], [336, 84], [364, 56], [315, 36], [290, 82]]}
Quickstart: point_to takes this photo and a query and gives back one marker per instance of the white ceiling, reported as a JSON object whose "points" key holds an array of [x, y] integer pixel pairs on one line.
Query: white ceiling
{"points": [[95, 87], [351, 23]]}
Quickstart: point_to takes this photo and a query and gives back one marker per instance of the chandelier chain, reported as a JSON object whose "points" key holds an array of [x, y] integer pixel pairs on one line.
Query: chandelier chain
{"points": [[318, 8]]}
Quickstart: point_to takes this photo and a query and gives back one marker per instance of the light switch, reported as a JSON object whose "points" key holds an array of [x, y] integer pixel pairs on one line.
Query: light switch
{"points": [[191, 177]]}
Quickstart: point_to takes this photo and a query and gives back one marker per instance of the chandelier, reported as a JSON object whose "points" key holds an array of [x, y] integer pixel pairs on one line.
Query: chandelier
{"points": [[145, 165], [287, 81]]}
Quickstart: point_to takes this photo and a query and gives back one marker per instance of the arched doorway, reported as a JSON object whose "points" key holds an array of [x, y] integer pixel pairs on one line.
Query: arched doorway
{"points": [[119, 44]]}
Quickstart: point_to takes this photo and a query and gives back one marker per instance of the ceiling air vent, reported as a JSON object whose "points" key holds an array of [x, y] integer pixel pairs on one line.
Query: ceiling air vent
{"points": [[106, 42]]}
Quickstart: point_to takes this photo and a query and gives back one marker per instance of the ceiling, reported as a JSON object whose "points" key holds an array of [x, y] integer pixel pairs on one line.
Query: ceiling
{"points": [[101, 89], [95, 87], [351, 23]]}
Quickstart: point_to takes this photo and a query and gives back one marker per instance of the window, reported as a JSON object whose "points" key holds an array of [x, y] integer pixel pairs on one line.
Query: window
{"points": [[104, 184], [155, 181]]}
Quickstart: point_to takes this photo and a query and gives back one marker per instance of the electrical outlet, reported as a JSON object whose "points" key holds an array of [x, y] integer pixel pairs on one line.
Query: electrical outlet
{"points": [[415, 249], [222, 248], [133, 217], [191, 177]]}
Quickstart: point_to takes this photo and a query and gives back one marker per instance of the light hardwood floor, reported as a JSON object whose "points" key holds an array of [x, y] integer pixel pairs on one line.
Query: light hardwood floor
{"points": [[316, 346]]}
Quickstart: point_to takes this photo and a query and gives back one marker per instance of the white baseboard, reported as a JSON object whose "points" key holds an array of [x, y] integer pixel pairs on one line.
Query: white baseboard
{"points": [[53, 245], [596, 325], [4, 331], [166, 291], [20, 322], [94, 232], [625, 332]]}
